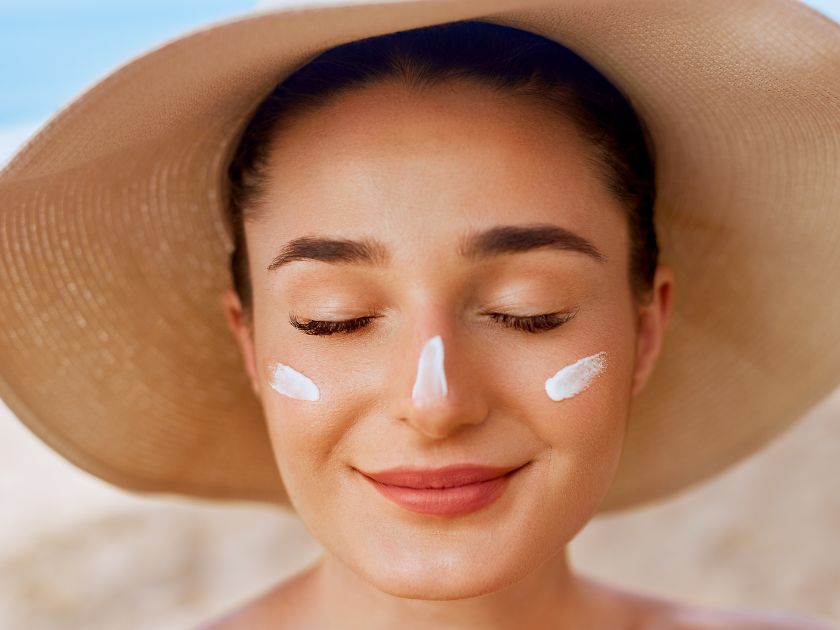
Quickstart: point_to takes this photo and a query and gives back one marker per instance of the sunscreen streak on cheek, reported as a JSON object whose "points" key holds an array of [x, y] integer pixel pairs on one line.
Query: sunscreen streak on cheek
{"points": [[431, 379], [291, 383], [573, 379]]}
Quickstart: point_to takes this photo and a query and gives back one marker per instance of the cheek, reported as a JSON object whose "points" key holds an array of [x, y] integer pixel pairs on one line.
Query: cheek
{"points": [[580, 409], [585, 431], [309, 405], [294, 408], [574, 395]]}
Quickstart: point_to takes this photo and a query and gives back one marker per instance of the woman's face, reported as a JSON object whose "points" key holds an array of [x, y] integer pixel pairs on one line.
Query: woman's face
{"points": [[420, 178]]}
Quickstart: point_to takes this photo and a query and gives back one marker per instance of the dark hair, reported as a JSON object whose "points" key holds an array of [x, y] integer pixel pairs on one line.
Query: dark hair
{"points": [[507, 59]]}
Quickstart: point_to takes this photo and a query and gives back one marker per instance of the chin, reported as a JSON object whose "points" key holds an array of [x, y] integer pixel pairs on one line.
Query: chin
{"points": [[437, 579]]}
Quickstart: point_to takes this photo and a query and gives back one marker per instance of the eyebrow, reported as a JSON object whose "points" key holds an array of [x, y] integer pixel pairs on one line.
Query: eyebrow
{"points": [[474, 246]]}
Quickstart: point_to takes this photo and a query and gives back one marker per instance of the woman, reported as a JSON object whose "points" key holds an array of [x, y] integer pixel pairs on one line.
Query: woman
{"points": [[447, 294]]}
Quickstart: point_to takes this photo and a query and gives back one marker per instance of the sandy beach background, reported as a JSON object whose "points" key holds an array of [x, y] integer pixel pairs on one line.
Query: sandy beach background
{"points": [[76, 552]]}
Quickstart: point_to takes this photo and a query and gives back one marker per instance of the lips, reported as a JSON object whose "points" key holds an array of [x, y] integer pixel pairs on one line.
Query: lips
{"points": [[446, 477], [450, 491]]}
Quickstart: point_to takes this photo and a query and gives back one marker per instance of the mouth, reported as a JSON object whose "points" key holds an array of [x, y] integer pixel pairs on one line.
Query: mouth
{"points": [[449, 491]]}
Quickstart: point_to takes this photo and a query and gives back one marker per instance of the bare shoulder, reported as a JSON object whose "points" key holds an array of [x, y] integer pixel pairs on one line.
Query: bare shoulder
{"points": [[682, 617], [282, 604], [643, 611]]}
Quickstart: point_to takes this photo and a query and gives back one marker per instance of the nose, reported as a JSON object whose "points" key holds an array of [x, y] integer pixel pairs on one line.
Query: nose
{"points": [[430, 382], [445, 396]]}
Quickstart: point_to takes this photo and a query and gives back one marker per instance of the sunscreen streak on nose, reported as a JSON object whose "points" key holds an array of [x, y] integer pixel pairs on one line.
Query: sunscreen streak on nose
{"points": [[574, 378], [431, 379], [292, 383]]}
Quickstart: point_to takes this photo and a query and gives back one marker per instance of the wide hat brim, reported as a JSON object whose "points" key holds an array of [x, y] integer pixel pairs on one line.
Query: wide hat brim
{"points": [[113, 344]]}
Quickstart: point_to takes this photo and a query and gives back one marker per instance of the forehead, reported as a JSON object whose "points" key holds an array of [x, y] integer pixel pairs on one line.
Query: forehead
{"points": [[451, 157]]}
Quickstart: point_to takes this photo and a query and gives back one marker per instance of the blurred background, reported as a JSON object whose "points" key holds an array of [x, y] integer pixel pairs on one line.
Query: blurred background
{"points": [[76, 552]]}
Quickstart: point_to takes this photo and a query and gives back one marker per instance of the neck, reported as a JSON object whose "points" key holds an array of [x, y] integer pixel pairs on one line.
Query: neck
{"points": [[551, 596]]}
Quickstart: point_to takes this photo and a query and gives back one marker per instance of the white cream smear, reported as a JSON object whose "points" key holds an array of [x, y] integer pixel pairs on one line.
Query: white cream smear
{"points": [[431, 379], [574, 378], [293, 384]]}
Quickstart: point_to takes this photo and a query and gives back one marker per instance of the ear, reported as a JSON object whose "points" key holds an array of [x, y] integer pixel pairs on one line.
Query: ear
{"points": [[652, 321], [242, 330]]}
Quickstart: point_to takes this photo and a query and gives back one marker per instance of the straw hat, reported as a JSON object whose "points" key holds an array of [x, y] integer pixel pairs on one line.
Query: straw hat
{"points": [[114, 248]]}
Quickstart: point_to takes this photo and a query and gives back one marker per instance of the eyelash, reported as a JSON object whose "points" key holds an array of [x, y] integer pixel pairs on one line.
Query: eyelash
{"points": [[534, 324]]}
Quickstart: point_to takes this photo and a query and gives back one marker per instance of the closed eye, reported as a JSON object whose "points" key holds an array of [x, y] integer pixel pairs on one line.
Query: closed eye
{"points": [[534, 323], [530, 324], [317, 327]]}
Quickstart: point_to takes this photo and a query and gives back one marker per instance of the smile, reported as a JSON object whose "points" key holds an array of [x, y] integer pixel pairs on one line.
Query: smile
{"points": [[444, 499]]}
